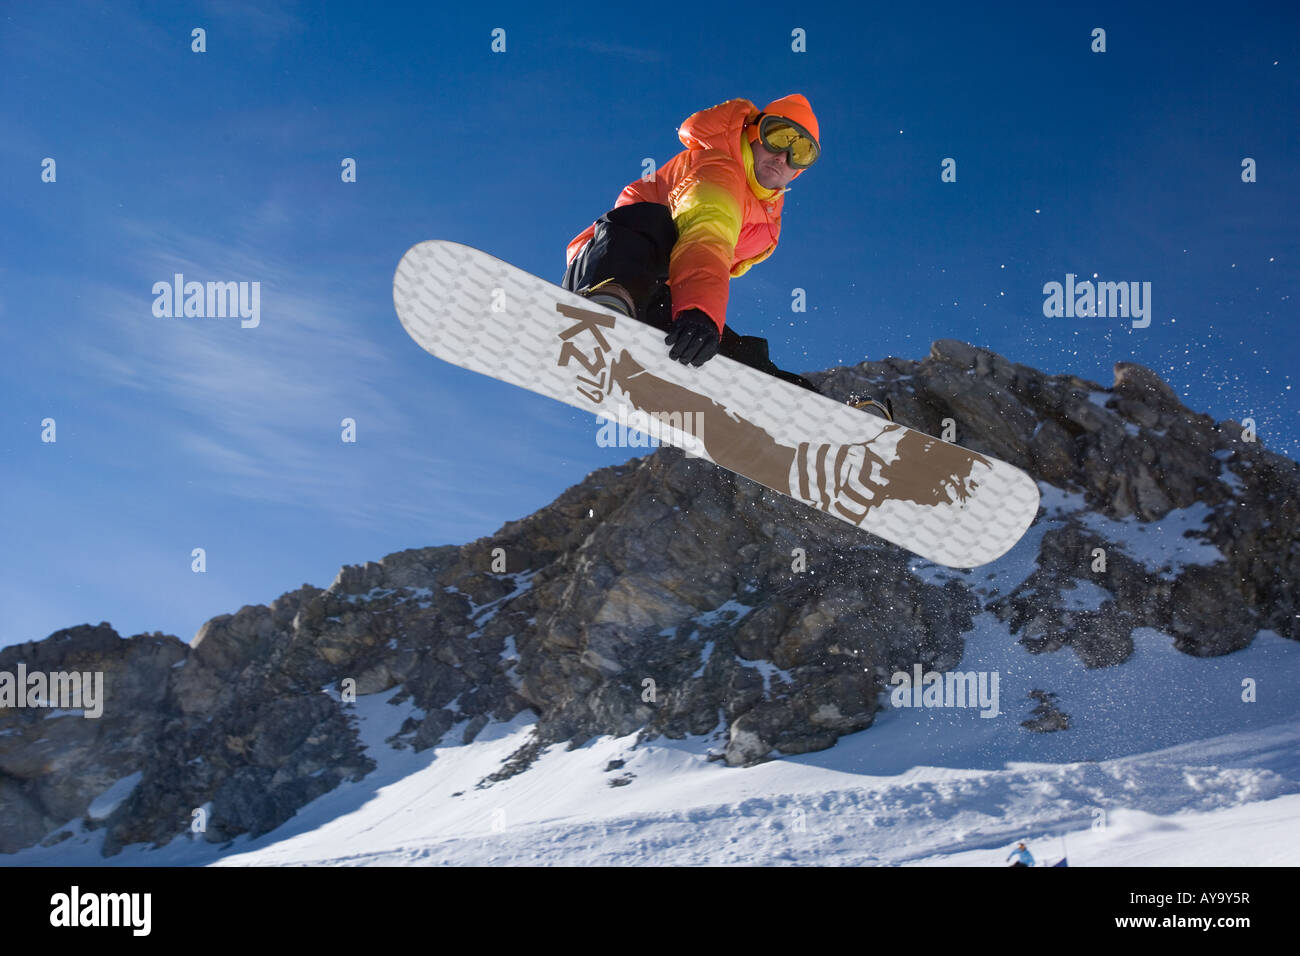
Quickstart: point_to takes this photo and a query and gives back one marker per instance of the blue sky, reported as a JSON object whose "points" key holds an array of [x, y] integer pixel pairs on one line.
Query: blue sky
{"points": [[182, 433]]}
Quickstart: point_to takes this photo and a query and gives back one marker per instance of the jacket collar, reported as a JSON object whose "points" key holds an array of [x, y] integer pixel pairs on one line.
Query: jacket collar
{"points": [[762, 192]]}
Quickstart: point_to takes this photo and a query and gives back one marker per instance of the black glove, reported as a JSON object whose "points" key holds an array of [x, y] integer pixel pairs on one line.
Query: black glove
{"points": [[693, 337]]}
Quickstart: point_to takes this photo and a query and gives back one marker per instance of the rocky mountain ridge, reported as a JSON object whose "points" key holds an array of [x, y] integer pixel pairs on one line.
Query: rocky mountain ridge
{"points": [[666, 596]]}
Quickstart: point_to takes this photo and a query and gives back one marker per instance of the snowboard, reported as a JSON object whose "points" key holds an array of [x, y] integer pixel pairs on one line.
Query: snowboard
{"points": [[940, 501]]}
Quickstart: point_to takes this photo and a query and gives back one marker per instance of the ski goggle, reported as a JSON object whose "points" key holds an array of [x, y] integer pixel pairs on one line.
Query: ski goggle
{"points": [[781, 135]]}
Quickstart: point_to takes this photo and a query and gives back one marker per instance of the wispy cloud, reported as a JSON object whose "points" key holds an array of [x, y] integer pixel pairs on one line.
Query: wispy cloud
{"points": [[259, 411], [623, 51]]}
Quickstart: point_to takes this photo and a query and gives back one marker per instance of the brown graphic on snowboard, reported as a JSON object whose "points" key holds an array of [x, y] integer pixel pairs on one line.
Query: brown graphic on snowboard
{"points": [[849, 479], [846, 479]]}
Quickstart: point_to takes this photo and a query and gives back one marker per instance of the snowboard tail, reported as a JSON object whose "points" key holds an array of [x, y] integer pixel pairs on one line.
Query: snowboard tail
{"points": [[938, 500]]}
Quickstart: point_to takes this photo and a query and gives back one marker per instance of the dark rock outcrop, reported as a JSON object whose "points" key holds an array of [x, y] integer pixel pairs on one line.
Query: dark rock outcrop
{"points": [[669, 597]]}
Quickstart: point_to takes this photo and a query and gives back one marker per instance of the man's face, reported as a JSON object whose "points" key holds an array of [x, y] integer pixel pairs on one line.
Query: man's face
{"points": [[772, 170]]}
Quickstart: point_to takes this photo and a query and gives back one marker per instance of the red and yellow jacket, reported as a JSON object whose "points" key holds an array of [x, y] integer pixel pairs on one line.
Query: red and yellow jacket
{"points": [[725, 220]]}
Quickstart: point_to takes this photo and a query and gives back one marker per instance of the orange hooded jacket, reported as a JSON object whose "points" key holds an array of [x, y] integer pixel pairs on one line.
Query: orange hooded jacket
{"points": [[725, 220]]}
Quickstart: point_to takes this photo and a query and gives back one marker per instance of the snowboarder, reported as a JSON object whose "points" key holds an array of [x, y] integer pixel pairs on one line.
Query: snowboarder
{"points": [[1025, 857], [667, 251]]}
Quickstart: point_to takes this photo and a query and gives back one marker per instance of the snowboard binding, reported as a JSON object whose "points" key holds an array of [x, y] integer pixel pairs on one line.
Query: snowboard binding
{"points": [[885, 410], [611, 295]]}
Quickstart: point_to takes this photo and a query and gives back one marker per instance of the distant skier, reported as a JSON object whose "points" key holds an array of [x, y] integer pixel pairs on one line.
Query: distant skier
{"points": [[1025, 857], [667, 251]]}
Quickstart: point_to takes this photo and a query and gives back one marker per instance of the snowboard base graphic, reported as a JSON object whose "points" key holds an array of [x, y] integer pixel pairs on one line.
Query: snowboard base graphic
{"points": [[938, 500]]}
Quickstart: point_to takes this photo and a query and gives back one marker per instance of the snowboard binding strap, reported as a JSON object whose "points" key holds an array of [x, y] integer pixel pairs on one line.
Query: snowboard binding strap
{"points": [[887, 409]]}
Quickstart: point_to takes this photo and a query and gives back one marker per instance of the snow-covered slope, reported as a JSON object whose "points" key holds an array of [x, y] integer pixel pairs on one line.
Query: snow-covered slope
{"points": [[1128, 784]]}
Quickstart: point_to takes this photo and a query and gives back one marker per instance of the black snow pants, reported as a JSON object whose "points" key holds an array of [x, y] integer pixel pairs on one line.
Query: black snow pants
{"points": [[631, 245]]}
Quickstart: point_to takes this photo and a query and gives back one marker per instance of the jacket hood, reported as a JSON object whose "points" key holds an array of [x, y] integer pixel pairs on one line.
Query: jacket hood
{"points": [[718, 127]]}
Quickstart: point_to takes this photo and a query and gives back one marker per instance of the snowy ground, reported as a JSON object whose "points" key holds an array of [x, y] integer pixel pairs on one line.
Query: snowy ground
{"points": [[926, 787], [1164, 764]]}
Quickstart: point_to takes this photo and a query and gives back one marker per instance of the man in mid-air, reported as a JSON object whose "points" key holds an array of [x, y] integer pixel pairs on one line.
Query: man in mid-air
{"points": [[668, 250]]}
